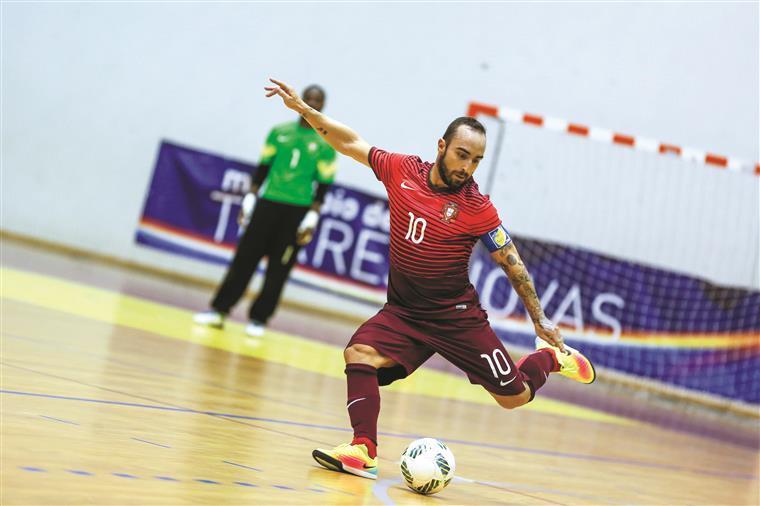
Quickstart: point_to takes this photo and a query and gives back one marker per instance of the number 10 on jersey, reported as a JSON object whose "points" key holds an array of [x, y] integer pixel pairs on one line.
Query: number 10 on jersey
{"points": [[416, 231]]}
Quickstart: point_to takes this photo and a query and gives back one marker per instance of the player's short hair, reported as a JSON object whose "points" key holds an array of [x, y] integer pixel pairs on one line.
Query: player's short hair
{"points": [[466, 121], [317, 88]]}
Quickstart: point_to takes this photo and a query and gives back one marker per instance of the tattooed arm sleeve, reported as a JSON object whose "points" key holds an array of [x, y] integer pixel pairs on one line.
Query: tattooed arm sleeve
{"points": [[342, 138], [509, 260]]}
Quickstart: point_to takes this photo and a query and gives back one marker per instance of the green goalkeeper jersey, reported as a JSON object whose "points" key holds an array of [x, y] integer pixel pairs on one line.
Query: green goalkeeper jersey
{"points": [[298, 158]]}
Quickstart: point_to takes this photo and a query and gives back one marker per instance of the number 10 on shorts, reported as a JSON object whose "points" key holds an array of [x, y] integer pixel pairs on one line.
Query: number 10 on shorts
{"points": [[499, 366]]}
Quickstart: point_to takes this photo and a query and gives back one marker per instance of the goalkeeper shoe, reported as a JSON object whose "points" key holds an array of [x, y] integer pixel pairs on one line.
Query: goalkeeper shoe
{"points": [[353, 459], [210, 319], [255, 328], [572, 364]]}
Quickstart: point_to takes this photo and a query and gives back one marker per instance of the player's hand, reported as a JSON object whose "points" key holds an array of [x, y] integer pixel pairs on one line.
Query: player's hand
{"points": [[549, 332], [305, 231], [246, 209], [288, 95]]}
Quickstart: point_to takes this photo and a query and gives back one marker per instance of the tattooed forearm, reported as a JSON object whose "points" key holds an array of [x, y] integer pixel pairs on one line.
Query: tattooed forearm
{"points": [[343, 139], [521, 281], [310, 115], [524, 287]]}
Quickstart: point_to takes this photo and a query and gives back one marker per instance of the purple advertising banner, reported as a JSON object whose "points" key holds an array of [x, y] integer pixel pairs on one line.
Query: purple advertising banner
{"points": [[637, 320]]}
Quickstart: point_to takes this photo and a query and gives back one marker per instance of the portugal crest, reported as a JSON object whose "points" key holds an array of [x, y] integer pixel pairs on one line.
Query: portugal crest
{"points": [[450, 211]]}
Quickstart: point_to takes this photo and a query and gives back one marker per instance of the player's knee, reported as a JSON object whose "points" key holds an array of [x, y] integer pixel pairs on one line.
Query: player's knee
{"points": [[364, 354], [360, 354], [513, 401]]}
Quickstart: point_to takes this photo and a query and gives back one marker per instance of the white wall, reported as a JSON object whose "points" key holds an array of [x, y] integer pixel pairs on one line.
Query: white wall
{"points": [[88, 90]]}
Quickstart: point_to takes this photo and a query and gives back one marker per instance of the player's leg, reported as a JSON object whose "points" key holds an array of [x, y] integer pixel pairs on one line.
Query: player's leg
{"points": [[513, 401], [282, 253], [366, 355], [378, 354], [480, 353], [249, 252], [533, 371], [536, 367]]}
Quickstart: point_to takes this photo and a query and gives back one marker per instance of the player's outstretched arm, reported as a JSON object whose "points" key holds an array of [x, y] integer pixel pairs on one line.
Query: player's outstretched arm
{"points": [[509, 260], [337, 135]]}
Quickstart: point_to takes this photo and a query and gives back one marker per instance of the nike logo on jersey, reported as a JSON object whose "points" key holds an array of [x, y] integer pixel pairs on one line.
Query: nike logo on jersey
{"points": [[505, 383], [406, 186]]}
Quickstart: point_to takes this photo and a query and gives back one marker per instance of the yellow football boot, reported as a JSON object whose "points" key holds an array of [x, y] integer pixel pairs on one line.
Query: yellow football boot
{"points": [[353, 459], [572, 363]]}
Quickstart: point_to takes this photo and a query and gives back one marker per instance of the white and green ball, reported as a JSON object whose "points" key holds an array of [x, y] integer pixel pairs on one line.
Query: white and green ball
{"points": [[427, 466]]}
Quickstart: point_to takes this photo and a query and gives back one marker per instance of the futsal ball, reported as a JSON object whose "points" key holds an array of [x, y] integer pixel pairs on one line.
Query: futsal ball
{"points": [[427, 466]]}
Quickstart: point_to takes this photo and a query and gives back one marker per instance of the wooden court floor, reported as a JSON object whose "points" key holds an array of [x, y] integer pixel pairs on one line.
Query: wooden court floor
{"points": [[110, 398]]}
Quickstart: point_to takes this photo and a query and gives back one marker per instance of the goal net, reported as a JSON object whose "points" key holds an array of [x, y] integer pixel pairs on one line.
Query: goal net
{"points": [[645, 252]]}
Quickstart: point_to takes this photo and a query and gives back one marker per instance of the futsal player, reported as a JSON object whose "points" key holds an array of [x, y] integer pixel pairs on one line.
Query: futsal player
{"points": [[295, 170], [437, 216]]}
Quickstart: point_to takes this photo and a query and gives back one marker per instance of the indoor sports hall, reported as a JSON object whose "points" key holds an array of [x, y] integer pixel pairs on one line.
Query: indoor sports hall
{"points": [[623, 157]]}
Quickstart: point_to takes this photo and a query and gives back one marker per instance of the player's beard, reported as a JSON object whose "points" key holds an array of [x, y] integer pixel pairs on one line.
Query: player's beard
{"points": [[443, 171]]}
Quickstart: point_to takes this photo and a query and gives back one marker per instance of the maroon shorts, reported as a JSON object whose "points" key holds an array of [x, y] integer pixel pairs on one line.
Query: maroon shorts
{"points": [[467, 342]]}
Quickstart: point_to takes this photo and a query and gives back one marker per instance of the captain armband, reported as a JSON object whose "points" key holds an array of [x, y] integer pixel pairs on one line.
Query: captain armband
{"points": [[496, 238]]}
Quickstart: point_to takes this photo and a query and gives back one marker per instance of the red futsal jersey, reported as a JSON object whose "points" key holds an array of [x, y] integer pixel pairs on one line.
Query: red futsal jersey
{"points": [[433, 232]]}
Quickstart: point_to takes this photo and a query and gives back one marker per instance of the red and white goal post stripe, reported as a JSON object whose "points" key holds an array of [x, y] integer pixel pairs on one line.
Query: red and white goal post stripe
{"points": [[608, 136]]}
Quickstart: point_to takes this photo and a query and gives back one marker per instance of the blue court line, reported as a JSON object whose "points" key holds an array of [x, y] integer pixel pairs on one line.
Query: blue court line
{"points": [[613, 460], [380, 490], [518, 489], [79, 472], [158, 371], [241, 465], [125, 475], [59, 420], [332, 489], [150, 442], [166, 478]]}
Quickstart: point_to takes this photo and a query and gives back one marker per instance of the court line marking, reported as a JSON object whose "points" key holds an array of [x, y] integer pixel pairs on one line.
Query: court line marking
{"points": [[331, 489], [241, 465], [59, 420], [166, 478], [150, 442], [465, 443], [81, 472], [534, 451], [192, 380], [380, 490], [314, 356], [518, 489], [236, 418], [167, 405], [161, 372], [126, 475]]}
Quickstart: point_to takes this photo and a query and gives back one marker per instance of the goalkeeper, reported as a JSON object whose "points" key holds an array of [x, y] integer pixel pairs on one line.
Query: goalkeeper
{"points": [[279, 216]]}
